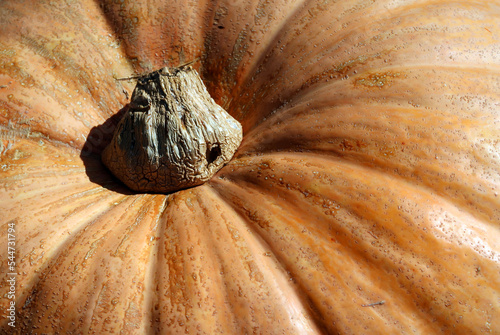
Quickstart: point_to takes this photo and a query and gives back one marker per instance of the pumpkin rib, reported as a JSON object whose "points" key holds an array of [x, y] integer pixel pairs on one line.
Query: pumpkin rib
{"points": [[313, 300], [292, 293], [68, 72], [282, 34], [297, 321], [304, 286], [253, 222], [290, 157], [414, 148], [49, 280], [217, 186], [220, 277], [131, 311], [250, 28], [35, 175], [474, 202], [134, 26], [365, 81], [36, 248], [150, 288], [288, 212], [235, 84], [416, 190], [41, 265], [288, 113], [168, 266], [378, 53]]}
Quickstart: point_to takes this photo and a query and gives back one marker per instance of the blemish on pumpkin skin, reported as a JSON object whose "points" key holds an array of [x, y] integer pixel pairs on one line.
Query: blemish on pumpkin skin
{"points": [[35, 258], [376, 79], [351, 145], [387, 151], [93, 249], [345, 69], [18, 154]]}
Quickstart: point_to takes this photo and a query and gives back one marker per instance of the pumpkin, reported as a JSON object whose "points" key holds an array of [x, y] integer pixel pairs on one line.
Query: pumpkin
{"points": [[363, 198]]}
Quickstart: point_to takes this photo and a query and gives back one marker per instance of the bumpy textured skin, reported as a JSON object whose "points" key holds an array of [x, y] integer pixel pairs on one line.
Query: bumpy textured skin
{"points": [[173, 136], [369, 169]]}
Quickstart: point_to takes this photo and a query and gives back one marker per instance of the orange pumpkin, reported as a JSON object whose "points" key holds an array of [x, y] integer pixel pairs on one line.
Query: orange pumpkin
{"points": [[368, 171]]}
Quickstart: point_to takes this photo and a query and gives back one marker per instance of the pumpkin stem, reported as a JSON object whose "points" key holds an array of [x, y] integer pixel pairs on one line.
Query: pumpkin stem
{"points": [[173, 135]]}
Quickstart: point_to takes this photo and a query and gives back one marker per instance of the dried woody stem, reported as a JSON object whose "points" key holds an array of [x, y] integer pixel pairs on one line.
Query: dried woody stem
{"points": [[173, 135]]}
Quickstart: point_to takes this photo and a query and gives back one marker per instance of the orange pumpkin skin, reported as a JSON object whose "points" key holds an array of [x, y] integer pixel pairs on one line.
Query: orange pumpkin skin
{"points": [[369, 169]]}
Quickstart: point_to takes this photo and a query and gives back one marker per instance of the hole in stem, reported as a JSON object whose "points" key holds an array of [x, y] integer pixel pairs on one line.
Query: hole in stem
{"points": [[213, 154]]}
